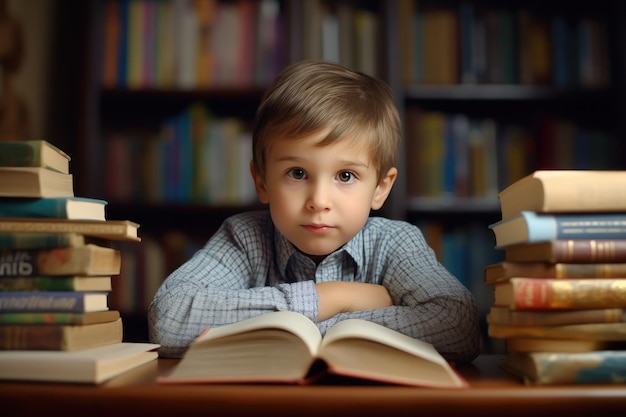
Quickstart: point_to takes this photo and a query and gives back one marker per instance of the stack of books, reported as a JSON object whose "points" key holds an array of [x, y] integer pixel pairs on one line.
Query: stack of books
{"points": [[56, 267], [559, 299]]}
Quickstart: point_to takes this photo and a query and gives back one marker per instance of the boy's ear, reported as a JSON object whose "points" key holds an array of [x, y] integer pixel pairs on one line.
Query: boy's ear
{"points": [[259, 184], [384, 188]]}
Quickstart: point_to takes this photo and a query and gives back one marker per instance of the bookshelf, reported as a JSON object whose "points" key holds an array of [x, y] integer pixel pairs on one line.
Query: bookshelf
{"points": [[566, 112]]}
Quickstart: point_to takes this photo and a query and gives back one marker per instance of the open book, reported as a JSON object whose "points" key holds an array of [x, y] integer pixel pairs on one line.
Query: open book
{"points": [[287, 347]]}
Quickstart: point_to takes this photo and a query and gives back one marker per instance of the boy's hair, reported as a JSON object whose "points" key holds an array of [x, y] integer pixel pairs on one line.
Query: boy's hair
{"points": [[312, 95]]}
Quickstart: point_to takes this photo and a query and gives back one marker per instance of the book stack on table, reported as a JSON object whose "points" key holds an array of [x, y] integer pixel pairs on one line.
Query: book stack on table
{"points": [[56, 269], [560, 293]]}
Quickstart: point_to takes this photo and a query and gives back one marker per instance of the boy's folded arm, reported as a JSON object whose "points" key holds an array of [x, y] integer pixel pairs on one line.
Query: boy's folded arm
{"points": [[342, 297]]}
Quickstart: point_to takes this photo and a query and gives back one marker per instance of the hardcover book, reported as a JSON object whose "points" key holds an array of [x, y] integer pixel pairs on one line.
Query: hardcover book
{"points": [[503, 271], [52, 301], [56, 283], [287, 347], [557, 345], [91, 317], [35, 154], [28, 240], [88, 366], [59, 336], [75, 208], [35, 183], [507, 317], [604, 332], [87, 260], [569, 251], [108, 229], [530, 227]]}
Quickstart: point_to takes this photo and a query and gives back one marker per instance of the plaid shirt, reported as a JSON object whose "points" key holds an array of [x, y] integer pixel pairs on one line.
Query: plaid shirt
{"points": [[248, 268]]}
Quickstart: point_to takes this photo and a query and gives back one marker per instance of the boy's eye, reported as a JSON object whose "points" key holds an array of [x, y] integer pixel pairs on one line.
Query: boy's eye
{"points": [[346, 176], [297, 173]]}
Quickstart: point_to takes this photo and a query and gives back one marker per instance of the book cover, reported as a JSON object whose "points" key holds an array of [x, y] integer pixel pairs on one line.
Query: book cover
{"points": [[27, 240], [59, 336], [284, 347], [52, 301], [530, 227], [83, 260], [569, 251], [108, 229], [76, 208], [56, 283], [35, 183], [502, 271], [35, 154], [89, 366], [91, 317], [554, 191], [549, 368], [505, 316], [604, 332], [569, 293]]}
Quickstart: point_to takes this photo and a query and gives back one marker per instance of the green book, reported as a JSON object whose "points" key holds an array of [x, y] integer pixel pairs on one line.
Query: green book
{"points": [[27, 240], [60, 283], [34, 154]]}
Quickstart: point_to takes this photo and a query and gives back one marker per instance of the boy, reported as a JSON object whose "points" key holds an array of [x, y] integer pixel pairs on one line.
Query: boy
{"points": [[325, 142]]}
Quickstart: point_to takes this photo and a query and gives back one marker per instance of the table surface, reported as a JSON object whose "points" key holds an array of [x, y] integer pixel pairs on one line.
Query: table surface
{"points": [[492, 392]]}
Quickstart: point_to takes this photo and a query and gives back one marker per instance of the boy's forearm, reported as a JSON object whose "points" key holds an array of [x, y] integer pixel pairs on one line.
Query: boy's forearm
{"points": [[340, 297]]}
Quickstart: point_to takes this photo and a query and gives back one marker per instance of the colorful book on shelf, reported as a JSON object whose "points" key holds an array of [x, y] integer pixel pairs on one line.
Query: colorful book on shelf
{"points": [[550, 368], [56, 283], [53, 301], [553, 191], [59, 336], [530, 227], [88, 366], [604, 332], [568, 251], [34, 154], [35, 183], [75, 208], [520, 293], [83, 260], [504, 316], [91, 317], [502, 271], [558, 345], [107, 229], [282, 347], [26, 240]]}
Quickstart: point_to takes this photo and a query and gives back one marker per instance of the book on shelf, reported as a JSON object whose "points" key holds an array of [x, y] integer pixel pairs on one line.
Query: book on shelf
{"points": [[568, 251], [52, 301], [75, 208], [34, 154], [60, 336], [107, 229], [90, 259], [287, 347], [551, 368], [604, 332], [27, 240], [56, 283], [35, 183], [502, 271], [89, 366], [530, 227], [505, 316], [91, 317], [552, 191], [520, 293], [558, 345]]}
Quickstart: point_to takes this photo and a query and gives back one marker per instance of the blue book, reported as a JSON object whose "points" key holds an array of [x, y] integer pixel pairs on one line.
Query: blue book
{"points": [[53, 301], [40, 240], [531, 227], [75, 208]]}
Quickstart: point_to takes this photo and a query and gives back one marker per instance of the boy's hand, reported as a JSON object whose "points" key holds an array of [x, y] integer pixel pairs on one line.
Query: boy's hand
{"points": [[341, 297]]}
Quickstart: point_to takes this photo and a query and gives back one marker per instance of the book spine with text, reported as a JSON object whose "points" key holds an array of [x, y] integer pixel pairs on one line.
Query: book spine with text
{"points": [[45, 301], [569, 250]]}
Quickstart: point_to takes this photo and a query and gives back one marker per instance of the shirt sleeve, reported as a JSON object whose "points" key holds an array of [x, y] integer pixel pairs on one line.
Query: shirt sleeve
{"points": [[224, 282]]}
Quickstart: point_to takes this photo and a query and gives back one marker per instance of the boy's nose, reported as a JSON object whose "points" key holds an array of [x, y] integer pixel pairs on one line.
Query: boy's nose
{"points": [[318, 197]]}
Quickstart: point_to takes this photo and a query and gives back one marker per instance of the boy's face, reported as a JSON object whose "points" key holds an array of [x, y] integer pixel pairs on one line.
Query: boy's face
{"points": [[320, 196]]}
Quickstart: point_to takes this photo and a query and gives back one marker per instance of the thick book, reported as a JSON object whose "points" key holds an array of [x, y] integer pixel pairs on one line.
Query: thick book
{"points": [[503, 271], [530, 227], [550, 368], [87, 260], [108, 229], [52, 301], [91, 317], [507, 317], [75, 208], [88, 366], [35, 183], [287, 347], [25, 240], [34, 154], [569, 251], [520, 293], [553, 191], [604, 332], [59, 336], [56, 283]]}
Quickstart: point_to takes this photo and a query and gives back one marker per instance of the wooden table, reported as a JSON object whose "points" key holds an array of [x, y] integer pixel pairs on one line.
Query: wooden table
{"points": [[492, 392]]}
